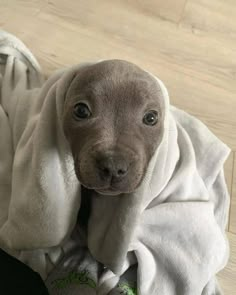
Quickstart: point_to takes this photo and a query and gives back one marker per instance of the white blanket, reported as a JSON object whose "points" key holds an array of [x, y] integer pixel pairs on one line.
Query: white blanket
{"points": [[171, 229]]}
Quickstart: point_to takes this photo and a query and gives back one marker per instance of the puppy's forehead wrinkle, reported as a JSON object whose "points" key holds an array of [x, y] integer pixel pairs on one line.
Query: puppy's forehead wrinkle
{"points": [[132, 89], [112, 77]]}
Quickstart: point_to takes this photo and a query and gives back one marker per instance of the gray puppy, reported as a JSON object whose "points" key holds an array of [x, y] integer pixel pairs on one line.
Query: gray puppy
{"points": [[113, 120]]}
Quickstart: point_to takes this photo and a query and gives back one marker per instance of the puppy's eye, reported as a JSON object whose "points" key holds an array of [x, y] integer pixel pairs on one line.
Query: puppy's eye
{"points": [[150, 118], [82, 111]]}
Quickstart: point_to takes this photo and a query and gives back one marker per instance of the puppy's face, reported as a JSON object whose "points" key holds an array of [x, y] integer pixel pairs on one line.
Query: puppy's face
{"points": [[113, 119]]}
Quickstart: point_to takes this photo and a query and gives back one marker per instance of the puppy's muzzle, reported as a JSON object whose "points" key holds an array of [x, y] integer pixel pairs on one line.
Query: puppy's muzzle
{"points": [[112, 167]]}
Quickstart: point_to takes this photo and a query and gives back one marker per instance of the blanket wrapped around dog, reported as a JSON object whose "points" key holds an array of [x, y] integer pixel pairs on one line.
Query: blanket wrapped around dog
{"points": [[168, 235]]}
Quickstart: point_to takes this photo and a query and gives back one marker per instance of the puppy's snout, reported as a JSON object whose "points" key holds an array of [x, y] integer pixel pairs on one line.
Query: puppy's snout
{"points": [[112, 166]]}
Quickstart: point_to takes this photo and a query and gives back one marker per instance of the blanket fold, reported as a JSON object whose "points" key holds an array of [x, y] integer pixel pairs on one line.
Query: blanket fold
{"points": [[168, 235]]}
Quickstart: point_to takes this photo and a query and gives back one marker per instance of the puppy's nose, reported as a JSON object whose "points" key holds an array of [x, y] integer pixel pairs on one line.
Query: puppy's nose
{"points": [[112, 166]]}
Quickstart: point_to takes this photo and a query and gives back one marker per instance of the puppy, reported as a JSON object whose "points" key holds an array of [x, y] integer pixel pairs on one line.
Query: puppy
{"points": [[113, 120]]}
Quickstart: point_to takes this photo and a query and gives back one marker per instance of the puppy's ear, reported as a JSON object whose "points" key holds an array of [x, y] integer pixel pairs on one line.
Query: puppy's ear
{"points": [[67, 78]]}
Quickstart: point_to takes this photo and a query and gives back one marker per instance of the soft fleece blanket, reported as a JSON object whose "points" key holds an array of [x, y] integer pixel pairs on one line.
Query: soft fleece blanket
{"points": [[168, 236]]}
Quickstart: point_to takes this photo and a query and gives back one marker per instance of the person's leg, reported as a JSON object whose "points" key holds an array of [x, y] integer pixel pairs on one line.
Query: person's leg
{"points": [[17, 278]]}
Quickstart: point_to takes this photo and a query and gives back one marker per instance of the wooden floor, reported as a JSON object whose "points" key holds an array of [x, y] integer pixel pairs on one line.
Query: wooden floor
{"points": [[189, 44]]}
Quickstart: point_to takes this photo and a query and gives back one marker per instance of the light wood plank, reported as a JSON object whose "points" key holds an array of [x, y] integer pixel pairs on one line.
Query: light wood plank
{"points": [[212, 17], [232, 227], [171, 10], [227, 277], [193, 69]]}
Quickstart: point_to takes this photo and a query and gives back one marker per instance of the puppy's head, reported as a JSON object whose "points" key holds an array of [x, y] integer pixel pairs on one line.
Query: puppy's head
{"points": [[113, 119]]}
